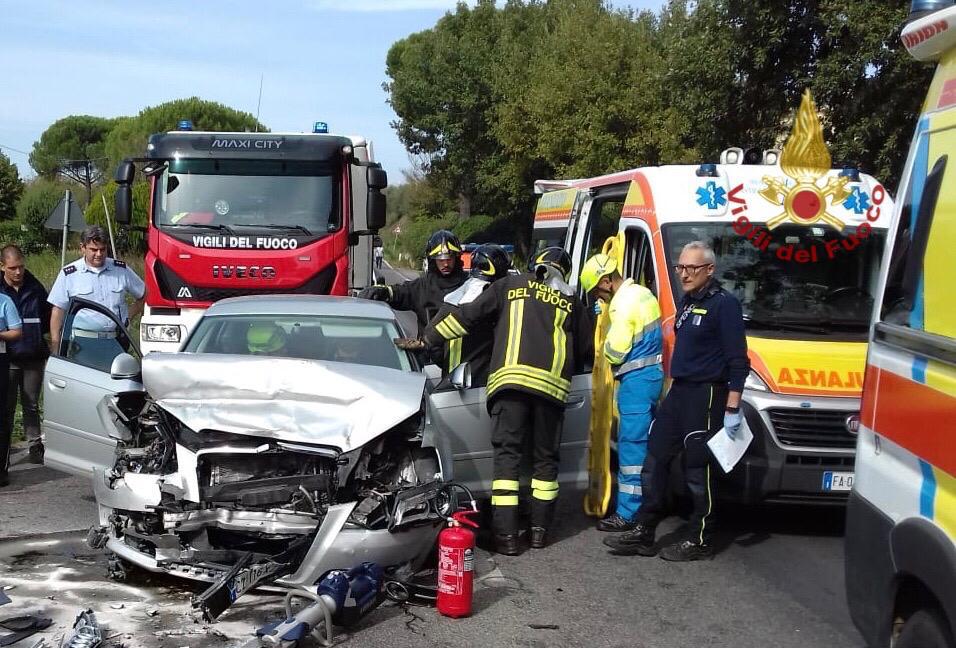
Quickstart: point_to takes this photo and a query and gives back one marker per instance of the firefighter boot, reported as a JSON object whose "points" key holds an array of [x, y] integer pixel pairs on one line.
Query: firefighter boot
{"points": [[539, 537], [687, 550], [639, 541], [507, 545]]}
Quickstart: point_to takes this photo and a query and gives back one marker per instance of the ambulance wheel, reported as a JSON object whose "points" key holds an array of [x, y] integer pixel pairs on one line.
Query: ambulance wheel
{"points": [[926, 628]]}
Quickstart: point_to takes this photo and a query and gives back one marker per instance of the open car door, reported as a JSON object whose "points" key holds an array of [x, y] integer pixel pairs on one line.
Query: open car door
{"points": [[76, 380], [461, 416]]}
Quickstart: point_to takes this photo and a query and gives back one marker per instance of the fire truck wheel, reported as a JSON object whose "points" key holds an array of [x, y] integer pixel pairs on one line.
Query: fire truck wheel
{"points": [[926, 628]]}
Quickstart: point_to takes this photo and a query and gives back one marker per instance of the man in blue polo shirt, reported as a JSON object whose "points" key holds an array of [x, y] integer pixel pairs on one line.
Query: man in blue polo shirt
{"points": [[709, 367]]}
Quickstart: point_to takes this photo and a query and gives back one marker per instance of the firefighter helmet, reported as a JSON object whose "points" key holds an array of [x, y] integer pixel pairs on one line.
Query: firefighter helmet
{"points": [[551, 257], [442, 245], [490, 262], [599, 265]]}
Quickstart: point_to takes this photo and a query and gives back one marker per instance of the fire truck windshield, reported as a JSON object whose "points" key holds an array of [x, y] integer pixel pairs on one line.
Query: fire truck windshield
{"points": [[805, 278], [242, 195]]}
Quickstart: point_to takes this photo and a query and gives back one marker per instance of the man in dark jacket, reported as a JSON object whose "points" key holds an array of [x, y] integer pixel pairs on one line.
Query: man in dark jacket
{"points": [[28, 354], [426, 294]]}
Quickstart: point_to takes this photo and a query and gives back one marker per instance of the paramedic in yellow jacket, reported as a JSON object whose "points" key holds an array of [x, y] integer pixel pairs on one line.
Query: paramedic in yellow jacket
{"points": [[633, 348]]}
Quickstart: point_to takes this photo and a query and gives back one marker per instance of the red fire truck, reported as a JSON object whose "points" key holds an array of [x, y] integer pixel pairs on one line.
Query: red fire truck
{"points": [[250, 213]]}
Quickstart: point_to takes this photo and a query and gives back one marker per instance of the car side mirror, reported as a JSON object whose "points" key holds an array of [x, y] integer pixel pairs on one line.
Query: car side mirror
{"points": [[125, 367], [460, 377]]}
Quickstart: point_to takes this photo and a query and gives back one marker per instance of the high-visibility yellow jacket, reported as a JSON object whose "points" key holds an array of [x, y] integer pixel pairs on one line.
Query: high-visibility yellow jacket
{"points": [[541, 335], [634, 339]]}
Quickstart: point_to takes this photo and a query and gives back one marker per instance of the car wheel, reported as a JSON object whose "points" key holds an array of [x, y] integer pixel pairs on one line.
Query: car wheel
{"points": [[925, 629]]}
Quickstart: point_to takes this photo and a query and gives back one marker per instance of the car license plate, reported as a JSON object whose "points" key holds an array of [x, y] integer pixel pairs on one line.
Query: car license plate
{"points": [[837, 481]]}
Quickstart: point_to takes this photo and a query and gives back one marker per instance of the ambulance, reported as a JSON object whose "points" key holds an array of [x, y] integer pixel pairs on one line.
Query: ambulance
{"points": [[901, 517], [800, 244]]}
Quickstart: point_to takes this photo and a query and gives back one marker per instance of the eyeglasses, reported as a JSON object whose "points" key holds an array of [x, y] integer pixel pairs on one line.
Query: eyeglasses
{"points": [[690, 269]]}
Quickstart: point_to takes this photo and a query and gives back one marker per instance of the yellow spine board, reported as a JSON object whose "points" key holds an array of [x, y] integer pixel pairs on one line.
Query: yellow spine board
{"points": [[603, 408]]}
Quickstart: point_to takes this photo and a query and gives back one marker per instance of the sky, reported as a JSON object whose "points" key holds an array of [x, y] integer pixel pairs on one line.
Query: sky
{"points": [[319, 60]]}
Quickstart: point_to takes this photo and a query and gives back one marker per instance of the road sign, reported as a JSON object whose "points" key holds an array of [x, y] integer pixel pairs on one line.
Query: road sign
{"points": [[55, 220]]}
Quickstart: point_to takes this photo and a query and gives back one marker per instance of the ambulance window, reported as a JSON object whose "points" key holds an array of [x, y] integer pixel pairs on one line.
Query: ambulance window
{"points": [[916, 294], [605, 217], [639, 260]]}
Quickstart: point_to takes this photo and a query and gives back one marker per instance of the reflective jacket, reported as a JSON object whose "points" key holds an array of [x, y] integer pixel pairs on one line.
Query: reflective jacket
{"points": [[31, 303], [634, 339], [541, 336], [425, 294], [474, 348]]}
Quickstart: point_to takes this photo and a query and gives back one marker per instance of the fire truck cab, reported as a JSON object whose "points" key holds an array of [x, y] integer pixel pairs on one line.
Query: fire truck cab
{"points": [[806, 280], [250, 213]]}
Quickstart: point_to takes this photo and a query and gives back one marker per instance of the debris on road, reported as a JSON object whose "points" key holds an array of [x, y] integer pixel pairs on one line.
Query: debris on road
{"points": [[86, 631]]}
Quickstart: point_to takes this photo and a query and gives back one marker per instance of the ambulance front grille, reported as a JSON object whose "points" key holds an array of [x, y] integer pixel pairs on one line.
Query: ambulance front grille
{"points": [[812, 428]]}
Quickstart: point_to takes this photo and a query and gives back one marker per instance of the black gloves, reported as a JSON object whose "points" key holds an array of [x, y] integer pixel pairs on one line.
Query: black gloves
{"points": [[376, 293]]}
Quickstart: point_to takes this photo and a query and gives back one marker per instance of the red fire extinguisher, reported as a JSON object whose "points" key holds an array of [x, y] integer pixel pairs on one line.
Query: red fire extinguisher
{"points": [[456, 566]]}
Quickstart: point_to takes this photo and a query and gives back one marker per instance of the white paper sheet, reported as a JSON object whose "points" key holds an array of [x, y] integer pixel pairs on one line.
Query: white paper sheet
{"points": [[729, 451]]}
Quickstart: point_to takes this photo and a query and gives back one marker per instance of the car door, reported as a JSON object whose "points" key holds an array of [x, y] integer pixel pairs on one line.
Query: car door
{"points": [[462, 417], [76, 380]]}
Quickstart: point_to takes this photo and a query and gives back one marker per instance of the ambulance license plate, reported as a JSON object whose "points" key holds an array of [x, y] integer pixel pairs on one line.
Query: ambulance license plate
{"points": [[837, 481]]}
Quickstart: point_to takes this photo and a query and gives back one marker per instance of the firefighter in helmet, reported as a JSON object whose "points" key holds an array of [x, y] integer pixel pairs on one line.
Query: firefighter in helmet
{"points": [[425, 294], [541, 335], [489, 263]]}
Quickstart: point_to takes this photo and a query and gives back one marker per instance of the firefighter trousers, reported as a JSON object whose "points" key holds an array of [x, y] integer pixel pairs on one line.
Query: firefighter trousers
{"points": [[519, 417], [690, 414], [636, 399]]}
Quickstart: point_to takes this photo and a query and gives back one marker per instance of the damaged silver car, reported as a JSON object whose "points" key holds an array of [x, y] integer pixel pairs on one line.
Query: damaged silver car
{"points": [[290, 437]]}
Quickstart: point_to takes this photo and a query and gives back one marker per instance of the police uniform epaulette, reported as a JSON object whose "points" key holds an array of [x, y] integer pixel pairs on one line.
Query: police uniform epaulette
{"points": [[119, 264], [70, 269]]}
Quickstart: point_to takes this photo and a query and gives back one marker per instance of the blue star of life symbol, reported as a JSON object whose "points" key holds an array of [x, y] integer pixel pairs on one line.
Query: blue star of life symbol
{"points": [[711, 195], [858, 202]]}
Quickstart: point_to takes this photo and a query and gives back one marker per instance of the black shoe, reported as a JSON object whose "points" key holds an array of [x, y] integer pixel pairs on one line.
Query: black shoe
{"points": [[4, 479], [36, 454], [616, 524], [539, 538], [686, 550], [639, 541], [507, 545]]}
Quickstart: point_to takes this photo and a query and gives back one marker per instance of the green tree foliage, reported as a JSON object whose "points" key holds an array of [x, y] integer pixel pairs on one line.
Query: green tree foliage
{"points": [[11, 188], [39, 199], [128, 138], [72, 147], [492, 98]]}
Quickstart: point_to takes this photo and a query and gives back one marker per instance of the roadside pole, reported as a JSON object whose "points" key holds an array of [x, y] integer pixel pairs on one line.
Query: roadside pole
{"points": [[109, 227], [66, 226]]}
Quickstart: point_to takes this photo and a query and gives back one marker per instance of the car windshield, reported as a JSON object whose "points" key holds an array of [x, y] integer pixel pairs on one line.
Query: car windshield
{"points": [[828, 289], [236, 196], [332, 338]]}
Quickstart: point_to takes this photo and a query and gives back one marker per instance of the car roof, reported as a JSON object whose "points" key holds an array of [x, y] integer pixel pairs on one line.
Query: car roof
{"points": [[301, 305]]}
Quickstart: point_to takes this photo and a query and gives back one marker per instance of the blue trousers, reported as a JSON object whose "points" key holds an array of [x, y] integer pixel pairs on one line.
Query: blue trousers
{"points": [[636, 398]]}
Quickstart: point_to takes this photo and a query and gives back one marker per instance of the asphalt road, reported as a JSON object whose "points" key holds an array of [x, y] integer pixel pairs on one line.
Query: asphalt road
{"points": [[777, 581]]}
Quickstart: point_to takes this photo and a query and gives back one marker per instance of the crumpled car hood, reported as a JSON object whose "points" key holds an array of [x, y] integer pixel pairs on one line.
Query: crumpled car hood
{"points": [[307, 401]]}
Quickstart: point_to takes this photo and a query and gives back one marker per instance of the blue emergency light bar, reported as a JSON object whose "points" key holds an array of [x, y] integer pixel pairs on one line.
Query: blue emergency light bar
{"points": [[185, 125], [320, 127], [919, 8]]}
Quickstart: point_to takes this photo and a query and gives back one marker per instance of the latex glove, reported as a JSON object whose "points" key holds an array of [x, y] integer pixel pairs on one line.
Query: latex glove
{"points": [[732, 421], [409, 344], [376, 293]]}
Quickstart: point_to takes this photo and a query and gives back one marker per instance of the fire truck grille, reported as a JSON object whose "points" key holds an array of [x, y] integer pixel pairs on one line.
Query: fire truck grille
{"points": [[812, 428], [171, 287]]}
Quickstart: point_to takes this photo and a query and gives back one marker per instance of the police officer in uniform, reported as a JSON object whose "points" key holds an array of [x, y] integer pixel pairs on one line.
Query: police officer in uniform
{"points": [[709, 367], [634, 348], [100, 279], [425, 294], [489, 263], [541, 334]]}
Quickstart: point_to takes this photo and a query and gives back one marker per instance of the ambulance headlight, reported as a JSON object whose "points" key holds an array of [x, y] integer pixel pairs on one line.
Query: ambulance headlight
{"points": [[160, 332], [755, 382]]}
